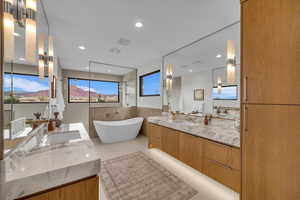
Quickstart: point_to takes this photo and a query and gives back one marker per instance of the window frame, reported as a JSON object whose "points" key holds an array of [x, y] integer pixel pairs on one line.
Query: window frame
{"points": [[141, 84], [86, 79], [237, 93], [23, 74]]}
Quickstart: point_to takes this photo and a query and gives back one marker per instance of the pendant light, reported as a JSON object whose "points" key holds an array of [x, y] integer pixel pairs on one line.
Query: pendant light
{"points": [[41, 56], [50, 58], [30, 34], [46, 59], [9, 28], [169, 76], [231, 62], [24, 13]]}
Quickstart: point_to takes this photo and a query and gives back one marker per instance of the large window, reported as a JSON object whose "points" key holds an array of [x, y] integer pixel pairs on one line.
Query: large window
{"points": [[24, 88], [94, 91], [227, 93], [150, 84]]}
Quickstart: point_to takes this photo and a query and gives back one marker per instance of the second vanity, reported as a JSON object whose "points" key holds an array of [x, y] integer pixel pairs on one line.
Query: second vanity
{"points": [[60, 165], [213, 149]]}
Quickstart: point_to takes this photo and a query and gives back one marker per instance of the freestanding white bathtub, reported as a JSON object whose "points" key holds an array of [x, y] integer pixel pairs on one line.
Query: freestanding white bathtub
{"points": [[117, 131]]}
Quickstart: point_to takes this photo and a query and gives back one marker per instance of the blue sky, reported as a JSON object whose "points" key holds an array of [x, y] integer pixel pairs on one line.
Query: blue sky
{"points": [[101, 87], [151, 84], [227, 93], [25, 83]]}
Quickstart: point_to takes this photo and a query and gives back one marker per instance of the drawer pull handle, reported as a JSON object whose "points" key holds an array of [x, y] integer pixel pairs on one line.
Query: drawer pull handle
{"points": [[245, 89], [245, 119]]}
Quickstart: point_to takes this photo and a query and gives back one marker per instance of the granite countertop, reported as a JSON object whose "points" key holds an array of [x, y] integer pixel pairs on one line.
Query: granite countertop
{"points": [[60, 157], [219, 130]]}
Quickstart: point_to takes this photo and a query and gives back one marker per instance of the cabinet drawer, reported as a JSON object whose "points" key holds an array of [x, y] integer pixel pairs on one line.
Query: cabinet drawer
{"points": [[223, 174], [217, 152]]}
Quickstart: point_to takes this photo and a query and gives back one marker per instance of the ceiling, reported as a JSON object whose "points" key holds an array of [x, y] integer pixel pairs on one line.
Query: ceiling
{"points": [[99, 26], [207, 54]]}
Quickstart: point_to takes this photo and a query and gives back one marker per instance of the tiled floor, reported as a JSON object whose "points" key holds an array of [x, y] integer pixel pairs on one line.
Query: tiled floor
{"points": [[207, 188]]}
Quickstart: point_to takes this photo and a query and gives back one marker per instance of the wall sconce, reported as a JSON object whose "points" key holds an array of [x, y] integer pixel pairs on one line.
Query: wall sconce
{"points": [[50, 58], [46, 59], [24, 13], [219, 86], [169, 76], [231, 62]]}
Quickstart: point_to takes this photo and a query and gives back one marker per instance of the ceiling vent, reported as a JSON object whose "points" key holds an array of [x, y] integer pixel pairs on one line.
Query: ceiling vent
{"points": [[124, 42], [184, 66], [197, 62], [115, 50]]}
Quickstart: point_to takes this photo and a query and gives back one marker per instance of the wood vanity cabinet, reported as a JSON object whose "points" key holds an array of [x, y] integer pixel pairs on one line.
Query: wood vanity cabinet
{"points": [[86, 189], [270, 51], [220, 162], [170, 141], [190, 150]]}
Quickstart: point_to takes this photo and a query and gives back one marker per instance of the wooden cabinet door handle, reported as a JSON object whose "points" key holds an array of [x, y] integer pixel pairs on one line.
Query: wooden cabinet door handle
{"points": [[245, 119], [245, 89]]}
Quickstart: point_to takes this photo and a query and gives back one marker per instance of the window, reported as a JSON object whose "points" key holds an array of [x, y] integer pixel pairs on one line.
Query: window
{"points": [[227, 93], [150, 84], [93, 91], [24, 88]]}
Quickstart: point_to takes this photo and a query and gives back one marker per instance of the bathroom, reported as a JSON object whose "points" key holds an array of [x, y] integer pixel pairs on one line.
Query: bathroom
{"points": [[115, 101]]}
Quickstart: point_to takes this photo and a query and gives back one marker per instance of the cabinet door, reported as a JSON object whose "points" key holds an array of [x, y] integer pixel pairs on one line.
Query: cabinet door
{"points": [[270, 152], [170, 141], [271, 51], [190, 150], [154, 133]]}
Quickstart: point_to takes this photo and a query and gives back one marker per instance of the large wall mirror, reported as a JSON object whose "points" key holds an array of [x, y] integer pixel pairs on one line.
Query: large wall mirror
{"points": [[27, 97], [204, 77]]}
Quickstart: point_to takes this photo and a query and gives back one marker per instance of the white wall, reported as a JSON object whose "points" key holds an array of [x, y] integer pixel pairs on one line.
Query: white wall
{"points": [[149, 102], [197, 81]]}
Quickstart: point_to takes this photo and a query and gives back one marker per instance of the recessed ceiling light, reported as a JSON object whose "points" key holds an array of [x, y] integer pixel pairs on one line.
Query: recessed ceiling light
{"points": [[109, 70], [22, 59], [82, 47], [139, 24], [219, 56], [190, 70], [17, 34]]}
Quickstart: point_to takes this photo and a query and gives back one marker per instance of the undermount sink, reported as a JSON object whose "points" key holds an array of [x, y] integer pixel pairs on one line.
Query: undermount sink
{"points": [[61, 138]]}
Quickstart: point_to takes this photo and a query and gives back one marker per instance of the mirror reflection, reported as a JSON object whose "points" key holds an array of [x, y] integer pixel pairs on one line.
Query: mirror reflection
{"points": [[203, 78], [29, 99]]}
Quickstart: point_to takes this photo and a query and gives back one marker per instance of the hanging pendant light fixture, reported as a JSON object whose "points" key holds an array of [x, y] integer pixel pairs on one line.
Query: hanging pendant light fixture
{"points": [[46, 59], [169, 77], [24, 13], [219, 85], [9, 27], [41, 56], [50, 58], [30, 34], [231, 62]]}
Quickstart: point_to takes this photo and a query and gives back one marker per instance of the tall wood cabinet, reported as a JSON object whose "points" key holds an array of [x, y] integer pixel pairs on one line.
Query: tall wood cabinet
{"points": [[270, 99], [271, 51]]}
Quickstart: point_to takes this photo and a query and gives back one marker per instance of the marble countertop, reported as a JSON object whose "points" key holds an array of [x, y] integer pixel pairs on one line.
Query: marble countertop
{"points": [[53, 162], [219, 130]]}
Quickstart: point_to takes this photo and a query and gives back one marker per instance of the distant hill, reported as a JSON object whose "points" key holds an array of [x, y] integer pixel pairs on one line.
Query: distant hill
{"points": [[33, 94]]}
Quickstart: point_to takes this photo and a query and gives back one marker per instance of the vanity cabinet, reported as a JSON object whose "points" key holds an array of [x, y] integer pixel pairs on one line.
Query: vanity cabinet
{"points": [[155, 136], [170, 141], [270, 51], [218, 161], [190, 150], [80, 190]]}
